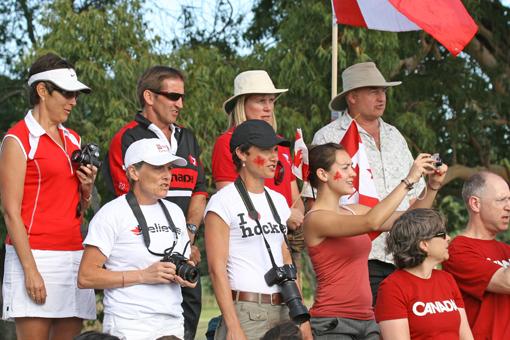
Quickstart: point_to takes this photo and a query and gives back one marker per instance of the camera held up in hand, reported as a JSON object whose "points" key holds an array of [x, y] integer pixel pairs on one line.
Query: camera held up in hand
{"points": [[182, 268], [88, 154], [285, 277], [439, 162]]}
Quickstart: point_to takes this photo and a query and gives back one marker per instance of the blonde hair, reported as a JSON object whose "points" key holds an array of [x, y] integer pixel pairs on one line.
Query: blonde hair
{"points": [[238, 115]]}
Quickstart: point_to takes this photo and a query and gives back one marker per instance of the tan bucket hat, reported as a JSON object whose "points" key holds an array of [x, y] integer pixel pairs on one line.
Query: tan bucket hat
{"points": [[357, 76], [251, 82]]}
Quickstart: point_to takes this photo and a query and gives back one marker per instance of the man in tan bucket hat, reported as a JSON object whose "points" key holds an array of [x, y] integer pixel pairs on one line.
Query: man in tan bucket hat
{"points": [[364, 96]]}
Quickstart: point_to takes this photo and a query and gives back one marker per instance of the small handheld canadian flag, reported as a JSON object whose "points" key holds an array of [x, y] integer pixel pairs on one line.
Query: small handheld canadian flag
{"points": [[300, 166]]}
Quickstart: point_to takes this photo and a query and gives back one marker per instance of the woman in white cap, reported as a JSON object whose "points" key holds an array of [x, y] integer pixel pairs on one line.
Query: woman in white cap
{"points": [[43, 196], [142, 241], [254, 98], [244, 243]]}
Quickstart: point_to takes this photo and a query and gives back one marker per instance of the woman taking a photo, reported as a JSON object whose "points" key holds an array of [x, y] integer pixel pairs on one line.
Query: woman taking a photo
{"points": [[43, 196], [254, 98], [338, 244], [418, 301], [237, 244], [130, 236]]}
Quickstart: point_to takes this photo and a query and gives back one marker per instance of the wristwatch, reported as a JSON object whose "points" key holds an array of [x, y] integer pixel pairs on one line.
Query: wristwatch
{"points": [[192, 228]]}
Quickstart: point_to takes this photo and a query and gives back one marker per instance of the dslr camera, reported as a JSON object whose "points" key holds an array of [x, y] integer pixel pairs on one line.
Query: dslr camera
{"points": [[285, 276], [88, 154], [439, 162], [182, 268]]}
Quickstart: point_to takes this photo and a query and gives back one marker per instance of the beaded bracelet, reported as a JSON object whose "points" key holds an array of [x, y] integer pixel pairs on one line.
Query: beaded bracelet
{"points": [[440, 186]]}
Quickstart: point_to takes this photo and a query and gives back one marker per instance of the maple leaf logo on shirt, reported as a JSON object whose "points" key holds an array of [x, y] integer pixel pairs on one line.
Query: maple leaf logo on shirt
{"points": [[136, 231]]}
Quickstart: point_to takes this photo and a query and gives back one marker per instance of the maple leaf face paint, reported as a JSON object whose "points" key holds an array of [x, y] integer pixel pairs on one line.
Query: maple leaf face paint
{"points": [[259, 161], [337, 176]]}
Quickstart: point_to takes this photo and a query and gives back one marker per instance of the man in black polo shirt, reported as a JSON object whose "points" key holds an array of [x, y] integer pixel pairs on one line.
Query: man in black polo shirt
{"points": [[160, 91]]}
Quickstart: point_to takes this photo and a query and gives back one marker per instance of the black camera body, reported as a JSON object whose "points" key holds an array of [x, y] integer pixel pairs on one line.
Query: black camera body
{"points": [[285, 277], [439, 162], [89, 154], [182, 268]]}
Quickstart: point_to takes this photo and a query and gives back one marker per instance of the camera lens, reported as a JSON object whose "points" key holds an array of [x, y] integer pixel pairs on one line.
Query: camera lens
{"points": [[188, 273], [292, 297]]}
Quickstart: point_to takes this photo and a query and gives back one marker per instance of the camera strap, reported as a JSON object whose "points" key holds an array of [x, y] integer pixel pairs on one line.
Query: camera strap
{"points": [[137, 211], [241, 188]]}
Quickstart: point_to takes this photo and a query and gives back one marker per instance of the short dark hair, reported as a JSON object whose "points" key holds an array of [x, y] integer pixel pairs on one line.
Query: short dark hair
{"points": [[321, 157], [244, 148], [283, 330], [153, 78], [408, 231], [475, 185], [95, 335], [45, 63]]}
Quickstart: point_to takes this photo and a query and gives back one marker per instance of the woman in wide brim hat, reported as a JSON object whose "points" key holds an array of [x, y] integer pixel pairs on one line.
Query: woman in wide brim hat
{"points": [[254, 98]]}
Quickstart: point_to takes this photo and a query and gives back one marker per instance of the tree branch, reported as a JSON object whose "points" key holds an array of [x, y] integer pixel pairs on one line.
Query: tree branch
{"points": [[463, 172], [9, 95]]}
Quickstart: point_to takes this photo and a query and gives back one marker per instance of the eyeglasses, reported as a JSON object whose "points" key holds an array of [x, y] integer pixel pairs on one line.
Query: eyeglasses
{"points": [[499, 201], [442, 234], [67, 94], [279, 173], [173, 96]]}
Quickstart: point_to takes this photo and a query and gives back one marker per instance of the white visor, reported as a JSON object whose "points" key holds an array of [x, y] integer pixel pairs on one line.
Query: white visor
{"points": [[64, 78]]}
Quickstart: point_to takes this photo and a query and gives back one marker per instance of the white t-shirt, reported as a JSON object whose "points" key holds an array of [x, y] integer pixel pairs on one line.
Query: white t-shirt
{"points": [[248, 258], [114, 230]]}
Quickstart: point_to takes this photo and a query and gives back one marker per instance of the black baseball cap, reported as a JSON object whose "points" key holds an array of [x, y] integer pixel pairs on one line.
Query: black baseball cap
{"points": [[258, 132]]}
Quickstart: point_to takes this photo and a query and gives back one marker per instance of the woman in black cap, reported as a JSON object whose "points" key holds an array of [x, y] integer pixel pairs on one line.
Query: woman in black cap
{"points": [[43, 196], [237, 242]]}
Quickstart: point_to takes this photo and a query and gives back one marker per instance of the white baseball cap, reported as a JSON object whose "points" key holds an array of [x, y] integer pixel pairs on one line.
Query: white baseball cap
{"points": [[152, 151], [64, 78]]}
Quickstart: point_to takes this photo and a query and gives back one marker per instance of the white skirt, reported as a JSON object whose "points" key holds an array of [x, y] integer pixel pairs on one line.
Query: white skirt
{"points": [[149, 328], [59, 270]]}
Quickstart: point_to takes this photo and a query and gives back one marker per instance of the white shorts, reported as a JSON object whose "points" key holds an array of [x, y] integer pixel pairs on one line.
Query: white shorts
{"points": [[149, 328], [59, 270]]}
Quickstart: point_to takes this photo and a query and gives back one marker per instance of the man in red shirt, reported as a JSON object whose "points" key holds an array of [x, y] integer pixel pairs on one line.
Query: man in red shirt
{"points": [[478, 262]]}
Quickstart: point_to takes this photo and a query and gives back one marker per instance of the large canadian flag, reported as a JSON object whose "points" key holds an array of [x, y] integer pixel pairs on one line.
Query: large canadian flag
{"points": [[364, 186], [446, 20], [300, 166]]}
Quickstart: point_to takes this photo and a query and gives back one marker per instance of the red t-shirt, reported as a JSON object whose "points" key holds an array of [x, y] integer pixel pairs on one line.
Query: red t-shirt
{"points": [[472, 263], [50, 191], [429, 305], [223, 168]]}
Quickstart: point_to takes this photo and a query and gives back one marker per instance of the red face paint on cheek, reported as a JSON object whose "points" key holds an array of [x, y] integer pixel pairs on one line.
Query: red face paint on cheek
{"points": [[337, 176], [259, 161]]}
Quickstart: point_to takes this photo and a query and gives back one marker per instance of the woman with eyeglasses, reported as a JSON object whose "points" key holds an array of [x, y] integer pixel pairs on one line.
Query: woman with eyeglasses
{"points": [[338, 240], [254, 98], [418, 301], [43, 194]]}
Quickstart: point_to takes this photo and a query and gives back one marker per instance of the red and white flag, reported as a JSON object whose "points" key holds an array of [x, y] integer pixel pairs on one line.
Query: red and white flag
{"points": [[446, 20], [364, 186], [300, 166]]}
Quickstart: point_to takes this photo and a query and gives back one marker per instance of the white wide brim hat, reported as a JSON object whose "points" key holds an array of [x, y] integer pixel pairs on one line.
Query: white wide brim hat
{"points": [[358, 76], [152, 151], [64, 78], [251, 82]]}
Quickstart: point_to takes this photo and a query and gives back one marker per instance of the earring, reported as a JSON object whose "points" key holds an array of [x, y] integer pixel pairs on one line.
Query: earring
{"points": [[244, 164], [43, 98]]}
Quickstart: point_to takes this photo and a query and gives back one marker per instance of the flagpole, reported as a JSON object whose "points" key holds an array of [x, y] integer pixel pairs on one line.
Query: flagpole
{"points": [[334, 62], [299, 197]]}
